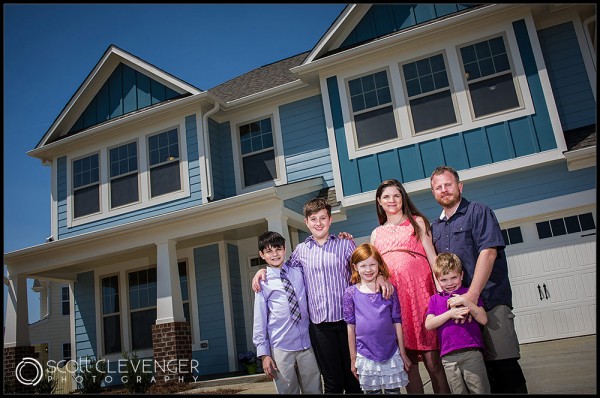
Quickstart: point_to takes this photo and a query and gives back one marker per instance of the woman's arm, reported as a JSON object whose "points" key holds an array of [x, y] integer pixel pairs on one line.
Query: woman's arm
{"points": [[427, 242]]}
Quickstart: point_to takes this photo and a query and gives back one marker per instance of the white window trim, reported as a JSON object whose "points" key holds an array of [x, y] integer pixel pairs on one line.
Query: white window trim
{"points": [[141, 135], [449, 47], [450, 87], [71, 188], [351, 135], [263, 113]]}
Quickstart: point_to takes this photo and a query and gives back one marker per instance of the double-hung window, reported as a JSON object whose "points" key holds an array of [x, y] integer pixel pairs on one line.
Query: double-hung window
{"points": [[429, 94], [123, 175], [372, 109], [111, 315], [489, 76], [86, 186], [258, 152], [185, 295], [142, 307], [163, 155], [65, 302]]}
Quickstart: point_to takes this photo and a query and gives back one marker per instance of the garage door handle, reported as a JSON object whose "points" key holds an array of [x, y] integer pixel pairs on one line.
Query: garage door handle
{"points": [[540, 290], [546, 291]]}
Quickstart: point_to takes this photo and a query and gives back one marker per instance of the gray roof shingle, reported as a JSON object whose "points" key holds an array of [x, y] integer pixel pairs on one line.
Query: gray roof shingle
{"points": [[259, 79]]}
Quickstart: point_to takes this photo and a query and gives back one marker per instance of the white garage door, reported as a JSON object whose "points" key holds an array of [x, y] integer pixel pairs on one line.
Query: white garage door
{"points": [[554, 278]]}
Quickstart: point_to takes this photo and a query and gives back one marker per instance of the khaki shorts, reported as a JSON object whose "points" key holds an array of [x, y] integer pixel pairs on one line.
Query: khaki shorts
{"points": [[499, 335]]}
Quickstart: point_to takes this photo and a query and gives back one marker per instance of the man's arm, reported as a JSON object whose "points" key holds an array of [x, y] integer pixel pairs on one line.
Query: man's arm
{"points": [[483, 270]]}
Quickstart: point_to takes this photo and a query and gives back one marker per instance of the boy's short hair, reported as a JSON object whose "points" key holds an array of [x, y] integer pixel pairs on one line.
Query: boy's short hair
{"points": [[315, 205], [270, 239], [445, 263]]}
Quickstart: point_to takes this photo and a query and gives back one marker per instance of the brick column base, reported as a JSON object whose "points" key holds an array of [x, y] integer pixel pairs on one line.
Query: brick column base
{"points": [[172, 344], [28, 371]]}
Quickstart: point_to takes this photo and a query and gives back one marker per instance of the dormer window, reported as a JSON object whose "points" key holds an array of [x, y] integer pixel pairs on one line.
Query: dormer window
{"points": [[86, 186], [163, 155]]}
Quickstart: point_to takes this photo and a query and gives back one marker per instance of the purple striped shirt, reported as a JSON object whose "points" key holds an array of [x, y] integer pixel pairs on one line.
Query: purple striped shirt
{"points": [[326, 275]]}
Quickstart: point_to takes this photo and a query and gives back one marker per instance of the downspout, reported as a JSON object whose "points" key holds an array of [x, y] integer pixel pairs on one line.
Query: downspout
{"points": [[207, 163]]}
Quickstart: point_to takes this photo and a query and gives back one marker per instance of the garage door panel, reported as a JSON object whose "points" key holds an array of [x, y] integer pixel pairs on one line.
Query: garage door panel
{"points": [[569, 321], [588, 280], [519, 266], [525, 296], [530, 328], [561, 289]]}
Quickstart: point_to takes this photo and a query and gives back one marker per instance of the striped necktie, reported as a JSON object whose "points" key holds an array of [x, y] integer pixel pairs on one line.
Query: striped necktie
{"points": [[291, 296]]}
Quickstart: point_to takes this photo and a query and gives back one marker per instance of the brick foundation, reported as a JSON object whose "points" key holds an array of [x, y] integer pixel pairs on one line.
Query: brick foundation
{"points": [[27, 372], [172, 344]]}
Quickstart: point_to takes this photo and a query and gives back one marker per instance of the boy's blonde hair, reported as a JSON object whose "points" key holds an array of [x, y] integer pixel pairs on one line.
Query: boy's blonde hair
{"points": [[363, 252], [445, 263]]}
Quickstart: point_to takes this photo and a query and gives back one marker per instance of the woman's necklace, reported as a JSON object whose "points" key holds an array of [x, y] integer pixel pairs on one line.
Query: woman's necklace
{"points": [[398, 223]]}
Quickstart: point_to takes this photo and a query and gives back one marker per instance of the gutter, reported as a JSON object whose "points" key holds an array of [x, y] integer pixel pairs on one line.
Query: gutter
{"points": [[207, 163]]}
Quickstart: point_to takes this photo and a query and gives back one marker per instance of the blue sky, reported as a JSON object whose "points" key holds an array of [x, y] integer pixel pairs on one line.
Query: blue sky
{"points": [[49, 49]]}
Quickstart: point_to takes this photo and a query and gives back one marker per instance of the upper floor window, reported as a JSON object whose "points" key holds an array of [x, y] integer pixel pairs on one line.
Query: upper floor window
{"points": [[65, 302], [258, 152], [142, 307], [163, 155], [372, 109], [111, 315], [123, 175], [429, 95], [86, 186], [489, 77]]}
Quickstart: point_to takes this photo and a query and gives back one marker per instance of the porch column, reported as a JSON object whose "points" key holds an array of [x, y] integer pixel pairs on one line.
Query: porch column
{"points": [[278, 223], [171, 335], [16, 339]]}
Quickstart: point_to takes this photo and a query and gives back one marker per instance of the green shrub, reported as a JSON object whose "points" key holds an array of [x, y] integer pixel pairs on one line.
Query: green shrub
{"points": [[137, 381], [47, 384], [90, 376]]}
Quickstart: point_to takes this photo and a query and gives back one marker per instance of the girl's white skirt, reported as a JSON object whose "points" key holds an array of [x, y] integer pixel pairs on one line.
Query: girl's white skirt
{"points": [[376, 375]]}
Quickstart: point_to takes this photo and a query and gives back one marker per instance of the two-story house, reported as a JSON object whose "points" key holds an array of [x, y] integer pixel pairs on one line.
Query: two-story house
{"points": [[160, 189]]}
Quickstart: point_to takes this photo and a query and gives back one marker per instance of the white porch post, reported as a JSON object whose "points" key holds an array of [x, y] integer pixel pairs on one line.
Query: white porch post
{"points": [[16, 332], [169, 307], [278, 223]]}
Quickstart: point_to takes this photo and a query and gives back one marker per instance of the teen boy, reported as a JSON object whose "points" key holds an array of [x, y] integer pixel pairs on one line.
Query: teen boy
{"points": [[461, 342], [281, 323], [325, 260]]}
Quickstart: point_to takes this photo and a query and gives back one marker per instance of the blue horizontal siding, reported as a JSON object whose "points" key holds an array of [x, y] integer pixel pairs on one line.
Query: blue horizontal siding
{"points": [[305, 144], [194, 199], [467, 149], [211, 312], [85, 316], [498, 192]]}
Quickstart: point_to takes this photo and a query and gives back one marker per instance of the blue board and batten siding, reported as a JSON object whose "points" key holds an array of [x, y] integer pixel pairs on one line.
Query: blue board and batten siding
{"points": [[498, 192], [221, 158], [211, 312], [125, 91], [195, 197], [568, 77], [85, 317], [305, 144], [464, 150]]}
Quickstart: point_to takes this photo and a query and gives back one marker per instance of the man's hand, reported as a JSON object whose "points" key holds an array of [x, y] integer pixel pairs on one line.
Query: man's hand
{"points": [[456, 301], [458, 313], [269, 367], [383, 285], [345, 235], [260, 275]]}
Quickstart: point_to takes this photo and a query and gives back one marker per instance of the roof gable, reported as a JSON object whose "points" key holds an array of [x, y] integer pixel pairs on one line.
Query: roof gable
{"points": [[119, 84], [362, 23]]}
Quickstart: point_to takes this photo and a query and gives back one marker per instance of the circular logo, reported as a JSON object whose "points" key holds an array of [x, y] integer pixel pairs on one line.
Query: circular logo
{"points": [[39, 372]]}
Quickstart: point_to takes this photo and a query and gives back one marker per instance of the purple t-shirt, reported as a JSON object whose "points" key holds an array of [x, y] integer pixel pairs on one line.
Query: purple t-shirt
{"points": [[454, 336], [374, 318]]}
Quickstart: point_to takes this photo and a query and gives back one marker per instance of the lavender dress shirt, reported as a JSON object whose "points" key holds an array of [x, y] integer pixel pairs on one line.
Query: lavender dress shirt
{"points": [[273, 325], [326, 275]]}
